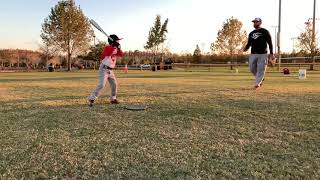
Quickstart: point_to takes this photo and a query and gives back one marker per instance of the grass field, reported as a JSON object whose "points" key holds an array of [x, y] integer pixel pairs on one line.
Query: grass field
{"points": [[199, 125]]}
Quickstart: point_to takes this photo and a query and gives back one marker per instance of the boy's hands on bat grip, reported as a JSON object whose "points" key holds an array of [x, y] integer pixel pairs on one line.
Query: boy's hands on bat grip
{"points": [[116, 45]]}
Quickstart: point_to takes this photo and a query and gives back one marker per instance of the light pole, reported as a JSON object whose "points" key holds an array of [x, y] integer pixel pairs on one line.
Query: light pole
{"points": [[293, 44], [279, 37], [314, 36], [275, 38], [318, 43], [94, 40], [94, 44]]}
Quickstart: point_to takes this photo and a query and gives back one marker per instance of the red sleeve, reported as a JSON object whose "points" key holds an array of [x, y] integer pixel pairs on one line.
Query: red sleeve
{"points": [[108, 50], [119, 53]]}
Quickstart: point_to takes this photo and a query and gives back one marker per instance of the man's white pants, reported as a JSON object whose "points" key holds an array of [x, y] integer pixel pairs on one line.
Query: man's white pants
{"points": [[258, 65]]}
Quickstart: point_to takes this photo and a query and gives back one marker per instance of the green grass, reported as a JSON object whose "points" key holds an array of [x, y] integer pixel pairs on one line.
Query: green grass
{"points": [[198, 125]]}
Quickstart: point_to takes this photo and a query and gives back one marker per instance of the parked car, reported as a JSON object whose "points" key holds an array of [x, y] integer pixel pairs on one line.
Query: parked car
{"points": [[146, 66]]}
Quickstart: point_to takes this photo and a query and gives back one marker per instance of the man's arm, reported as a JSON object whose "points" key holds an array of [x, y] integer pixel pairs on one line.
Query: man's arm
{"points": [[248, 44], [271, 57], [269, 41]]}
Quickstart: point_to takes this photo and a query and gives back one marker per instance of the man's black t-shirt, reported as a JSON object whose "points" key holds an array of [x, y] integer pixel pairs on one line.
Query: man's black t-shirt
{"points": [[258, 40]]}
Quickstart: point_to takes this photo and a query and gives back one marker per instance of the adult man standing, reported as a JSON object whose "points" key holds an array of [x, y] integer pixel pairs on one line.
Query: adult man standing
{"points": [[258, 61]]}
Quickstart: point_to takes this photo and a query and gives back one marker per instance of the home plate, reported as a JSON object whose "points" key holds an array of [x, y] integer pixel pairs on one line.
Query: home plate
{"points": [[136, 107]]}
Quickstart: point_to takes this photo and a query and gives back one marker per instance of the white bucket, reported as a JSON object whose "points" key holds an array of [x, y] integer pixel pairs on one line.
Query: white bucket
{"points": [[302, 74]]}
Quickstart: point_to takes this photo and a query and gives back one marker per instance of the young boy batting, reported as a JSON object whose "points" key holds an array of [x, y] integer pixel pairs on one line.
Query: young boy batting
{"points": [[109, 58]]}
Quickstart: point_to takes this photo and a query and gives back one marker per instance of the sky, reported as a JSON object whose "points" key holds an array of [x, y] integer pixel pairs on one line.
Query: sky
{"points": [[191, 22]]}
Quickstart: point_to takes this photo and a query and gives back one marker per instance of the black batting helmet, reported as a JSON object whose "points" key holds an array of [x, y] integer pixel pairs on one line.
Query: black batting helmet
{"points": [[114, 39]]}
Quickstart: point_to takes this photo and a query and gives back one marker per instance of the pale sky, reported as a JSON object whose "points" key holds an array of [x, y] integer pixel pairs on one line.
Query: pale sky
{"points": [[191, 22]]}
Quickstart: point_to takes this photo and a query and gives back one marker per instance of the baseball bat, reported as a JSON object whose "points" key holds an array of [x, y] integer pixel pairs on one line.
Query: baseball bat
{"points": [[96, 25]]}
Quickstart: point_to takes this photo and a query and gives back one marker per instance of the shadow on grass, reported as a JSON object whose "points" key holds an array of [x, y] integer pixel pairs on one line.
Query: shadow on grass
{"points": [[47, 79], [164, 76], [190, 75]]}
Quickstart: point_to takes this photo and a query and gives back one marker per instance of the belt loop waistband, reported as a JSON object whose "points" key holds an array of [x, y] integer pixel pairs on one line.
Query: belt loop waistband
{"points": [[107, 67]]}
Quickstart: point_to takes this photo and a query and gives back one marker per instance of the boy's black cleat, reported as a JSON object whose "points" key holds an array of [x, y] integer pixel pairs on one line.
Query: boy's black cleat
{"points": [[91, 102], [114, 102]]}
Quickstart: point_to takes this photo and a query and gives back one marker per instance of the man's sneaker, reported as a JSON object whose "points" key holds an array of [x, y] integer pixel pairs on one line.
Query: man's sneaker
{"points": [[256, 87], [114, 102], [91, 102], [262, 82]]}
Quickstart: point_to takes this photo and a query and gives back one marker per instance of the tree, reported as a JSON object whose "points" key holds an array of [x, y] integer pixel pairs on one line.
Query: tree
{"points": [[2, 58], [305, 38], [95, 52], [67, 29], [231, 38], [23, 58], [6, 57], [157, 35], [47, 52], [197, 54], [13, 57], [34, 59]]}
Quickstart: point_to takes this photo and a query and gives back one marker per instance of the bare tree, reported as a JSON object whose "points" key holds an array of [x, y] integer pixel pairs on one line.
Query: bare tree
{"points": [[305, 38], [48, 51], [2, 58]]}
